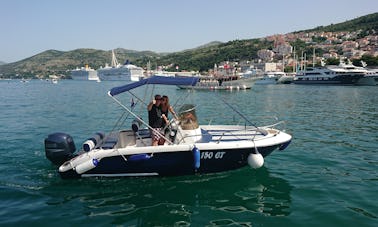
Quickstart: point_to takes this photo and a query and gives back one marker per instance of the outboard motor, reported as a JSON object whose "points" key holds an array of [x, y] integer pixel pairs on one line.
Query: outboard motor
{"points": [[59, 147]]}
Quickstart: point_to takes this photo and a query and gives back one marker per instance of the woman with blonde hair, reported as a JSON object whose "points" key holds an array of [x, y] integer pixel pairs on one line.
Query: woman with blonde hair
{"points": [[165, 108]]}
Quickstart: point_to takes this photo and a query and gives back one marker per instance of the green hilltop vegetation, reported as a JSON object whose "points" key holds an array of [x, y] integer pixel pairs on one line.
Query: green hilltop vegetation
{"points": [[366, 24], [61, 62], [198, 59], [202, 59]]}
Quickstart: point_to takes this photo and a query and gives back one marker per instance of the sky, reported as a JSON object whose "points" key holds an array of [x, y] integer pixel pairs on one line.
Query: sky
{"points": [[29, 27]]}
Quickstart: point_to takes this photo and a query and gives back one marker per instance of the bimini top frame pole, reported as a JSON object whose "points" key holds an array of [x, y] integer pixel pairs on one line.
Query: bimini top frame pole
{"points": [[139, 119], [188, 81]]}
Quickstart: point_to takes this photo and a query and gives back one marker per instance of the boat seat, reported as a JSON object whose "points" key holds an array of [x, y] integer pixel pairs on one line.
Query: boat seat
{"points": [[143, 137], [110, 142]]}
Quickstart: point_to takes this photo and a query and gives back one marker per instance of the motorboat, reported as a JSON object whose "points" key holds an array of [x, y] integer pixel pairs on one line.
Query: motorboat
{"points": [[189, 147], [221, 83], [270, 77], [287, 78]]}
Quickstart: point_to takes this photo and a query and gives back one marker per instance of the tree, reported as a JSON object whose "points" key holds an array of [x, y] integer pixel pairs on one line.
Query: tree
{"points": [[370, 60], [333, 61]]}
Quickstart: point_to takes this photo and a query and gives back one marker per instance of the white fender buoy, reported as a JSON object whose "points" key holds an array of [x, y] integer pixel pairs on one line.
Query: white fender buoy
{"points": [[85, 166], [88, 145], [255, 161], [92, 142]]}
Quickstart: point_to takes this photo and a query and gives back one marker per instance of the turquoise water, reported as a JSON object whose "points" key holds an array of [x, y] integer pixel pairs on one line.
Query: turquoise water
{"points": [[326, 177]]}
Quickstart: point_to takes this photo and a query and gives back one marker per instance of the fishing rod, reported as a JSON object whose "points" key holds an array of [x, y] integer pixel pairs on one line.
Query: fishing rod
{"points": [[241, 115]]}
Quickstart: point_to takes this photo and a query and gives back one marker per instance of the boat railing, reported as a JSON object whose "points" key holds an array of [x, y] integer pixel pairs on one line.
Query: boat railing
{"points": [[210, 121], [274, 126]]}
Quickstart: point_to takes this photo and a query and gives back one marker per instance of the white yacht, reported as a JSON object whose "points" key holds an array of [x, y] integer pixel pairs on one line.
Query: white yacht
{"points": [[270, 77], [371, 76], [342, 74], [84, 73], [116, 71], [286, 79]]}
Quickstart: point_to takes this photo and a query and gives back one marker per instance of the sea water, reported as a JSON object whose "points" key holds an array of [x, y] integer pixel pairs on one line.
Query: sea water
{"points": [[326, 177]]}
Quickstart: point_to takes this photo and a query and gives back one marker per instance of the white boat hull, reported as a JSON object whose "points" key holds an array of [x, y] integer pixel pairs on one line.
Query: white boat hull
{"points": [[220, 148]]}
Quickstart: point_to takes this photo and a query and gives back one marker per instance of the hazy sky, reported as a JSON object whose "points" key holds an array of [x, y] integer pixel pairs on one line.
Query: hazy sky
{"points": [[29, 27]]}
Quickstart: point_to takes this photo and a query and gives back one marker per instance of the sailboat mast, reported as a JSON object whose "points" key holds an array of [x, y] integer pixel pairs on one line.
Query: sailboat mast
{"points": [[305, 62], [114, 60], [295, 61]]}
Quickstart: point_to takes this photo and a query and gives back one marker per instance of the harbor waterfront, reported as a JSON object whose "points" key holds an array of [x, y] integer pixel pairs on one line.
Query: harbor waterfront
{"points": [[326, 177]]}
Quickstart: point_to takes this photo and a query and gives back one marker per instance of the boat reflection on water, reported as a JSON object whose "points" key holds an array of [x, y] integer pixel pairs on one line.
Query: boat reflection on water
{"points": [[238, 196], [267, 194]]}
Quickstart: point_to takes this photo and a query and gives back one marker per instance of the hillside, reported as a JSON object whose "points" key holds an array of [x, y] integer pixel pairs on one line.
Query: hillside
{"points": [[60, 62], [365, 23], [200, 58]]}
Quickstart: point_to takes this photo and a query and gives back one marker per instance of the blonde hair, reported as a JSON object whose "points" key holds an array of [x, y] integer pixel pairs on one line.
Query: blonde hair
{"points": [[166, 98]]}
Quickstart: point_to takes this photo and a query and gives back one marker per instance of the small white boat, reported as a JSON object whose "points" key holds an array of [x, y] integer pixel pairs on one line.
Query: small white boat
{"points": [[286, 79], [189, 148], [271, 77]]}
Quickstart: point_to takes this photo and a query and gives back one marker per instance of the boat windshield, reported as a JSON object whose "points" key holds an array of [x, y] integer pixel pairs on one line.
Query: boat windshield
{"points": [[187, 117]]}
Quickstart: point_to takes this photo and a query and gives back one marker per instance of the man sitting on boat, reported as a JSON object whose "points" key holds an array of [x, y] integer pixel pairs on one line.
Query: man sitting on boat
{"points": [[155, 119]]}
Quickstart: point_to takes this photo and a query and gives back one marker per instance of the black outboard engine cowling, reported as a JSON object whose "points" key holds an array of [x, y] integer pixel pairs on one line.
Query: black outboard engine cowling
{"points": [[59, 147]]}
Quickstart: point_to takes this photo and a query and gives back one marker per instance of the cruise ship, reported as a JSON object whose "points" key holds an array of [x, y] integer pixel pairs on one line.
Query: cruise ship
{"points": [[332, 74], [116, 71], [84, 73]]}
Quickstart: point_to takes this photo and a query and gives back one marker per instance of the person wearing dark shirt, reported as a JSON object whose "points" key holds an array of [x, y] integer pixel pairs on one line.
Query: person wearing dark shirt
{"points": [[155, 119]]}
